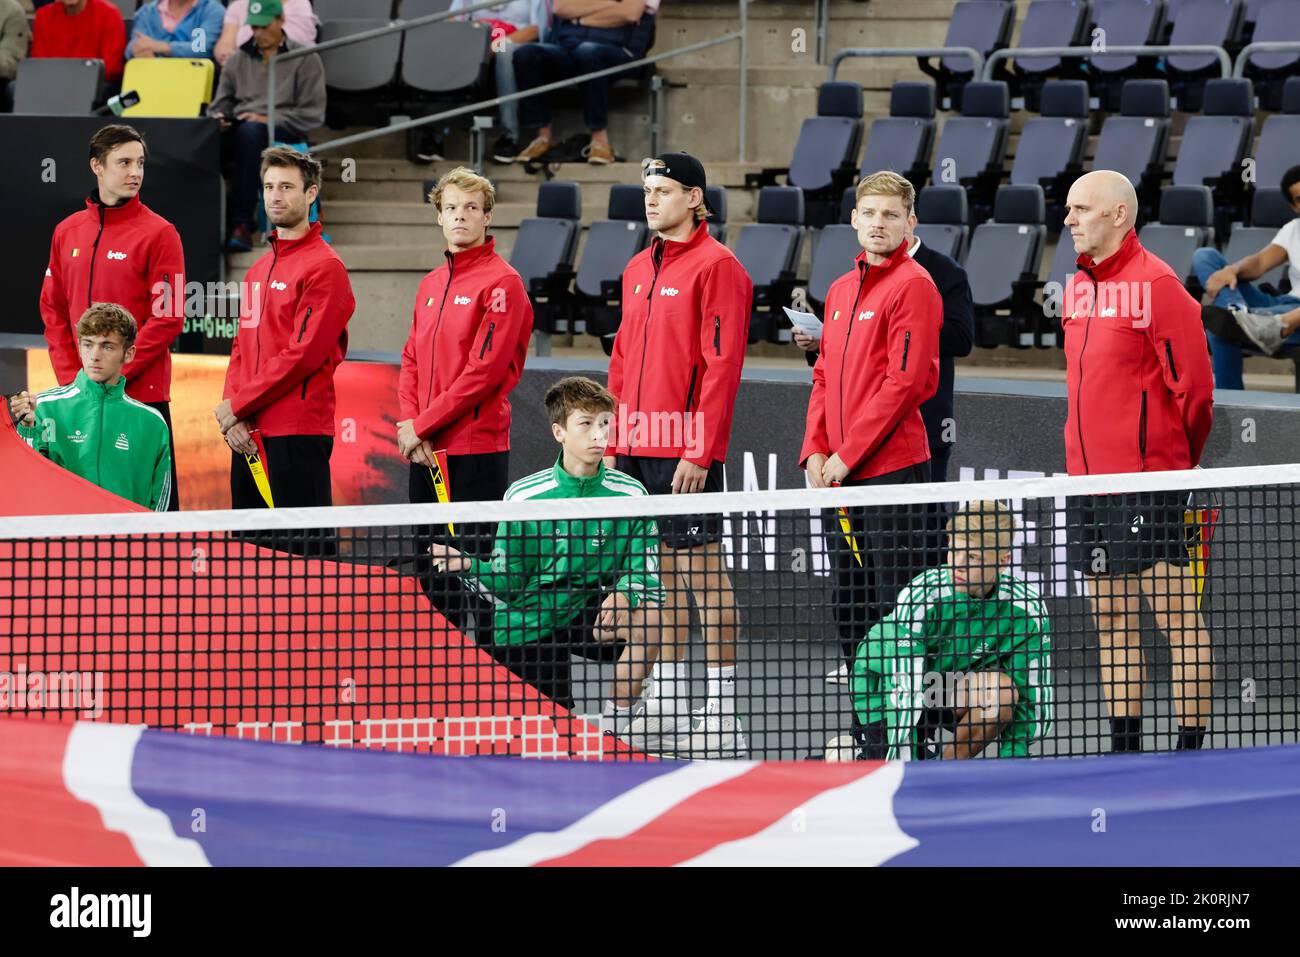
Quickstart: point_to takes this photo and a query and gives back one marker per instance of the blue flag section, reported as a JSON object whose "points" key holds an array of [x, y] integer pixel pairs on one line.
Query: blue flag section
{"points": [[100, 794]]}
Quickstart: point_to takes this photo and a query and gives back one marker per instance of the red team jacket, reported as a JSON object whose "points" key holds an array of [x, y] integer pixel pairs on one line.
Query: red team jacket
{"points": [[465, 352], [1138, 376], [879, 361], [124, 254], [680, 348], [281, 372]]}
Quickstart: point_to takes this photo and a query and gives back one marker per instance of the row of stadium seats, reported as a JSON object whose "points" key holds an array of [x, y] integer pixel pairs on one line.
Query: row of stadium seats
{"points": [[972, 147]]}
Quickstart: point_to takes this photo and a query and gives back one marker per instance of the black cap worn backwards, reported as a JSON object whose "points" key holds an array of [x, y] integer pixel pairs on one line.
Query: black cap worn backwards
{"points": [[682, 167]]}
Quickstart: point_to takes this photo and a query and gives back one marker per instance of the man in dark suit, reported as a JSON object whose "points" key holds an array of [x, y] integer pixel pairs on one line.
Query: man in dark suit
{"points": [[956, 339]]}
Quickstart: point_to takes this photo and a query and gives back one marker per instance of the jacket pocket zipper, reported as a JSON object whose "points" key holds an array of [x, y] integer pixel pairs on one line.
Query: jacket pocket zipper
{"points": [[717, 335], [304, 385], [1169, 354], [304, 323], [1142, 432], [487, 341], [907, 344], [690, 393]]}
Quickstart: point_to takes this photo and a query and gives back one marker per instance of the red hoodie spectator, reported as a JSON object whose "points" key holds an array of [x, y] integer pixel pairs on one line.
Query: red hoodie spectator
{"points": [[87, 29], [1134, 408]]}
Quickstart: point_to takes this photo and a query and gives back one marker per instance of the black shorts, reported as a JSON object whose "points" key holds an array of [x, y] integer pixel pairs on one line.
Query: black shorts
{"points": [[1126, 534], [675, 531]]}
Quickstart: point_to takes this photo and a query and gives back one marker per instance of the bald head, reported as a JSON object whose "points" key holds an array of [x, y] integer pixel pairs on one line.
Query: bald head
{"points": [[1100, 210]]}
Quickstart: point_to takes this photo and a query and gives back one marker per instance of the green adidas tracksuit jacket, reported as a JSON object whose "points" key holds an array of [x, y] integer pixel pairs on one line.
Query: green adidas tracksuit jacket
{"points": [[936, 631], [543, 573], [102, 434]]}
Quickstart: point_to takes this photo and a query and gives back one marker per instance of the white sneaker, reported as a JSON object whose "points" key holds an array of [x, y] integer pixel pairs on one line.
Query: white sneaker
{"points": [[652, 729], [838, 676], [1263, 330], [712, 736], [841, 748]]}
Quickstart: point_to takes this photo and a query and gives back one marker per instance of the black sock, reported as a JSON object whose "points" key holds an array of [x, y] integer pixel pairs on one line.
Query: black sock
{"points": [[871, 740], [1190, 739], [1125, 734]]}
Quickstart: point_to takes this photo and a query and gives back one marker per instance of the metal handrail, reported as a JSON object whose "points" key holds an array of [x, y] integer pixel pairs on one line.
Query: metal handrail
{"points": [[1264, 46], [969, 52], [1011, 53], [398, 26]]}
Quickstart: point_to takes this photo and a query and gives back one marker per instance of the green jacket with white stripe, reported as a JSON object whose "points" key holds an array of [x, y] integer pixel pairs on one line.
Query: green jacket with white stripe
{"points": [[936, 634], [99, 432], [543, 573]]}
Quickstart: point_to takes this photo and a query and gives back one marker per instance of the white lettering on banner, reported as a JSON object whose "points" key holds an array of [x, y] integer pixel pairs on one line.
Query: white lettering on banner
{"points": [[766, 520]]}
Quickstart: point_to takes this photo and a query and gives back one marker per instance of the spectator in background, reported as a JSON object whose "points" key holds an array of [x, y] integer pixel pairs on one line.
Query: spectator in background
{"points": [[13, 48], [179, 28], [240, 105], [85, 29], [585, 36], [300, 26]]}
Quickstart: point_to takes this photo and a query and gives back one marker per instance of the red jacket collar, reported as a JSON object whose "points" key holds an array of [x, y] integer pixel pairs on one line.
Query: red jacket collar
{"points": [[892, 260], [468, 257], [1116, 261], [668, 248], [282, 246], [128, 210]]}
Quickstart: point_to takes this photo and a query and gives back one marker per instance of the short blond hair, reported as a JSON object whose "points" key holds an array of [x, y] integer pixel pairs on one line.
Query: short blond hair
{"points": [[105, 318], [467, 181], [886, 183], [992, 524]]}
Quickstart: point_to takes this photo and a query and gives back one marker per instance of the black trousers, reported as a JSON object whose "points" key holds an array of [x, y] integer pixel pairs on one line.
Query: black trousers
{"points": [[893, 542], [473, 478], [298, 467], [164, 409]]}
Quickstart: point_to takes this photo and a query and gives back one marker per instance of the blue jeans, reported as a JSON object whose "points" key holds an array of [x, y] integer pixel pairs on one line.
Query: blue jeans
{"points": [[504, 65], [537, 64], [1226, 355]]}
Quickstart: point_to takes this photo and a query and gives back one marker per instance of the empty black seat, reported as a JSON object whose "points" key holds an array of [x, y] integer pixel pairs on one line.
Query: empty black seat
{"points": [[1063, 267], [834, 250], [360, 67], [973, 146], [545, 247], [985, 26], [1050, 154], [447, 57], [769, 251], [1136, 142], [1123, 23], [58, 86], [357, 9], [943, 220], [1274, 20], [1185, 225], [611, 244], [1279, 138], [1048, 23], [717, 197], [1208, 22], [1215, 143], [901, 142], [826, 153], [1002, 265]]}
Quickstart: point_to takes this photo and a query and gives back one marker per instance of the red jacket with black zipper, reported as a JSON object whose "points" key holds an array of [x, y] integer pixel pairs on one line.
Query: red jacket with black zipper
{"points": [[465, 352], [879, 362], [1140, 391], [295, 334], [680, 349], [125, 254]]}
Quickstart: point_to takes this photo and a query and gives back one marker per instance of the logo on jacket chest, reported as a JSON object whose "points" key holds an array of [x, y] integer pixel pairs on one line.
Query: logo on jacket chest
{"points": [[114, 254], [866, 314], [122, 443], [278, 286], [667, 291], [78, 437], [462, 301]]}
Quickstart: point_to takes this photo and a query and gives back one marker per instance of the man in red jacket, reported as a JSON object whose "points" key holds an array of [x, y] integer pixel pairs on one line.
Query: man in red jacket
{"points": [[118, 250], [675, 370], [1140, 399], [463, 357], [879, 363], [85, 30], [280, 381]]}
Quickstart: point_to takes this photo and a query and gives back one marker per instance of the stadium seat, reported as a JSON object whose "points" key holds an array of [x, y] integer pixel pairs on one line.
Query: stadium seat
{"points": [[1048, 23], [545, 248], [358, 9], [1276, 20], [973, 146], [717, 197], [1205, 22], [1278, 148], [1184, 226], [169, 87], [1269, 212], [445, 58], [834, 249], [360, 67], [984, 25], [1123, 23], [1136, 142], [1051, 147], [942, 220], [611, 244], [58, 86], [902, 141], [1063, 266], [1002, 265], [769, 251], [128, 7], [1215, 143], [826, 154]]}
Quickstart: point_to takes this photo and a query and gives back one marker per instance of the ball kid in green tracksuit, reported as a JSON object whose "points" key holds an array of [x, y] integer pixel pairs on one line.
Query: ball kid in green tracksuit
{"points": [[91, 426], [967, 638], [588, 587]]}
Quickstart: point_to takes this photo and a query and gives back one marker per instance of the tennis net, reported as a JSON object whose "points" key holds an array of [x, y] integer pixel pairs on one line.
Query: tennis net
{"points": [[1027, 617]]}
